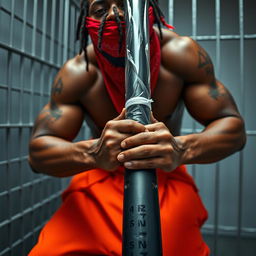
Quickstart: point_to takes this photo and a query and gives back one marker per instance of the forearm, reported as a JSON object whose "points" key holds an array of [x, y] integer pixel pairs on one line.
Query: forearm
{"points": [[218, 140], [58, 157]]}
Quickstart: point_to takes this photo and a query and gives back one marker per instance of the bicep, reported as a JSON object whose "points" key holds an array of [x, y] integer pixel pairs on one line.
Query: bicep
{"points": [[60, 120], [206, 98], [207, 102]]}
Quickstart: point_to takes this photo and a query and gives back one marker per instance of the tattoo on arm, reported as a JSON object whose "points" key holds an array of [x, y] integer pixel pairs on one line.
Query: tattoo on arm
{"points": [[50, 114], [57, 87], [54, 113], [204, 62]]}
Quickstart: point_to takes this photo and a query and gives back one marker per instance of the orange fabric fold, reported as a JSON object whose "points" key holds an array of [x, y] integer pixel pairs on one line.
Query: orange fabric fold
{"points": [[89, 221]]}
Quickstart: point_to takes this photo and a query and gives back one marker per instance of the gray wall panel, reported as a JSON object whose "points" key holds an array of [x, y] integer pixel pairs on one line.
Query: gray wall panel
{"points": [[229, 13], [207, 189], [249, 16], [206, 15], [230, 68], [182, 17], [4, 66], [249, 179], [250, 81], [5, 21], [228, 192], [187, 121]]}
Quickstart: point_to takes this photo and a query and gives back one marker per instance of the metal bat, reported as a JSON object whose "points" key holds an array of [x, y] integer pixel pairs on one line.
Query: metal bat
{"points": [[141, 216]]}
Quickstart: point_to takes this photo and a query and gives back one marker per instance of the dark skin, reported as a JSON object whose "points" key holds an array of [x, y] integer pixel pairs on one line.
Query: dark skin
{"points": [[186, 73]]}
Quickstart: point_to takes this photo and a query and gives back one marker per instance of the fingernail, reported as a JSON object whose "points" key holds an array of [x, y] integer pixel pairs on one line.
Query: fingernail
{"points": [[128, 164], [120, 157], [123, 144]]}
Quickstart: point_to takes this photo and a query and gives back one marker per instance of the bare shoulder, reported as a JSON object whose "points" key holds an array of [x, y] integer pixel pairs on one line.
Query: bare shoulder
{"points": [[183, 56], [73, 80]]}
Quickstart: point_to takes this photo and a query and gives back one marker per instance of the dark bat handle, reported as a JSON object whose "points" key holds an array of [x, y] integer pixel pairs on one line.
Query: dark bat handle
{"points": [[141, 219]]}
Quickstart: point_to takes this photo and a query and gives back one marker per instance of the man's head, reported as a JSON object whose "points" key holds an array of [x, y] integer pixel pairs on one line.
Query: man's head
{"points": [[106, 9], [102, 11]]}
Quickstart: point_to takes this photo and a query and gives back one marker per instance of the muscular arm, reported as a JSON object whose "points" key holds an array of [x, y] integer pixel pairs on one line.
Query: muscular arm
{"points": [[54, 153], [51, 148], [211, 104]]}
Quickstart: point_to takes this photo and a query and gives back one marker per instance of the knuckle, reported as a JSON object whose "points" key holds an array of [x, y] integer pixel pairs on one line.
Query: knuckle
{"points": [[168, 148], [108, 134], [160, 125], [166, 135], [125, 144], [109, 124], [134, 126], [130, 124], [109, 144]]}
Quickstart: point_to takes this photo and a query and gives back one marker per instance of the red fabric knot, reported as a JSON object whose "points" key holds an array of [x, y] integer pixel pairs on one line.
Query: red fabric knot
{"points": [[165, 23]]}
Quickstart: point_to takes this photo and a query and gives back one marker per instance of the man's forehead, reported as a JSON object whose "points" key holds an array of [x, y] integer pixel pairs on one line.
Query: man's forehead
{"points": [[102, 1]]}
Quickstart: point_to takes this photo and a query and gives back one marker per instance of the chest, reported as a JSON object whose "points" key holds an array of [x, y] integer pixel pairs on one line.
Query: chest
{"points": [[166, 95]]}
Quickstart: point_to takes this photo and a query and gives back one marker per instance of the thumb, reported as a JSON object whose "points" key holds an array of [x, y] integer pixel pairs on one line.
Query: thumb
{"points": [[121, 116]]}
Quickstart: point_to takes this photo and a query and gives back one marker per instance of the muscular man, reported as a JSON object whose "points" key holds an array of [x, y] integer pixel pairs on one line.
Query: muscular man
{"points": [[91, 86]]}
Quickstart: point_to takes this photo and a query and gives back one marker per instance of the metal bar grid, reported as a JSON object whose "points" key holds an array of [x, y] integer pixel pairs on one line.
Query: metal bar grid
{"points": [[215, 229], [28, 55], [38, 195], [36, 30], [38, 205], [21, 19]]}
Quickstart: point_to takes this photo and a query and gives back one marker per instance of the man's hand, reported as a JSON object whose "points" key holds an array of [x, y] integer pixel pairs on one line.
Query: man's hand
{"points": [[106, 149], [153, 148]]}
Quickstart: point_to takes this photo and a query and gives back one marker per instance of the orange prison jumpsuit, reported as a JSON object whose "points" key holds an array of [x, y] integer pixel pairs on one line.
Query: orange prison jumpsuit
{"points": [[89, 221]]}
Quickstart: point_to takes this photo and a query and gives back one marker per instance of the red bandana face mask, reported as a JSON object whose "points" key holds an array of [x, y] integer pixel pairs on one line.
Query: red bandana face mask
{"points": [[111, 61]]}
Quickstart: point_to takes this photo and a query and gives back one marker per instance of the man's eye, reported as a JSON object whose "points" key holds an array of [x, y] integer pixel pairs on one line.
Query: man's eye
{"points": [[121, 6], [100, 12]]}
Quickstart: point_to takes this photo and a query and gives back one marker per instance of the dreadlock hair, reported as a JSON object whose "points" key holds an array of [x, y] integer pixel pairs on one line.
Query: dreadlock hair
{"points": [[100, 34], [120, 30], [158, 15], [82, 32]]}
